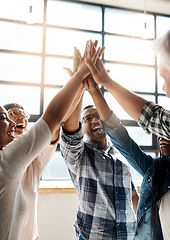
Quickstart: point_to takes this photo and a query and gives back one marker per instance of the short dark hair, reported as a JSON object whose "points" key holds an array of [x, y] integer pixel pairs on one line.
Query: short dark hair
{"points": [[13, 105], [88, 106]]}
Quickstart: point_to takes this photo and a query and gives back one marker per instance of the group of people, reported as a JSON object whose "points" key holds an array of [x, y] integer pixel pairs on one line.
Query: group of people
{"points": [[109, 205]]}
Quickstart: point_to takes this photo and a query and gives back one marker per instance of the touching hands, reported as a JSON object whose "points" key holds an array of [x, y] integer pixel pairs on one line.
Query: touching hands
{"points": [[90, 84], [98, 71]]}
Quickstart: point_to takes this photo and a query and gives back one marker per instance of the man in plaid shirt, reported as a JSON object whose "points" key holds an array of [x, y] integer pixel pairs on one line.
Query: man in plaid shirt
{"points": [[103, 183]]}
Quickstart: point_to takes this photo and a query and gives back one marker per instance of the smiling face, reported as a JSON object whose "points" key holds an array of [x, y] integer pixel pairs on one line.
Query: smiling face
{"points": [[7, 128], [91, 126], [164, 146], [20, 118]]}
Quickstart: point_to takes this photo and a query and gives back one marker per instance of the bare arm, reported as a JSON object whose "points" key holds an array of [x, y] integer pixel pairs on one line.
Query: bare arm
{"points": [[130, 102], [72, 124], [60, 104], [135, 200], [98, 99]]}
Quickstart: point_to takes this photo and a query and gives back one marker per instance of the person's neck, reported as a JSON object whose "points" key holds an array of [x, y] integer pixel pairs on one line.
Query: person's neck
{"points": [[103, 143]]}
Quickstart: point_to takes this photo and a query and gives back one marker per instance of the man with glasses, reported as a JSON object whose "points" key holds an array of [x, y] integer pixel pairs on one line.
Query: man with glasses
{"points": [[103, 183]]}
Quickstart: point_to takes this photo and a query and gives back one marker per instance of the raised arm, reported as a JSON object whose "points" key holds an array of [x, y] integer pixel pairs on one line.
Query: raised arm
{"points": [[72, 124], [98, 99], [130, 102], [62, 101], [150, 116]]}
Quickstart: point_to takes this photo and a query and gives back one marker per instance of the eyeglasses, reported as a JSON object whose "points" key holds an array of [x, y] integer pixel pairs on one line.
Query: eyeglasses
{"points": [[18, 112], [3, 116], [89, 117]]}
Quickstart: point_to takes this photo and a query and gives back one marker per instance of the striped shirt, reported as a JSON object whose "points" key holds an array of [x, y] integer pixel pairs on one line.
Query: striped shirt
{"points": [[103, 184], [155, 119]]}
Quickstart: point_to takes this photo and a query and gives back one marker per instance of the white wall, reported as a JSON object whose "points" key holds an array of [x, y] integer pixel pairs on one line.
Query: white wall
{"points": [[56, 215]]}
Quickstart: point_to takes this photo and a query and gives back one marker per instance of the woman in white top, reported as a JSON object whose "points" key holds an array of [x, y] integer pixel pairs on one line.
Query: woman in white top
{"points": [[15, 156], [31, 178]]}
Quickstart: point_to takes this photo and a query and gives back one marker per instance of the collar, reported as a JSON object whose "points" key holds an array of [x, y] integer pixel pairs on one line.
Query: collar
{"points": [[110, 148]]}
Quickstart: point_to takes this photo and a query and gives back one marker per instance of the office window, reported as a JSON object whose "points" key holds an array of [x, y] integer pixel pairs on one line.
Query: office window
{"points": [[35, 46], [116, 20]]}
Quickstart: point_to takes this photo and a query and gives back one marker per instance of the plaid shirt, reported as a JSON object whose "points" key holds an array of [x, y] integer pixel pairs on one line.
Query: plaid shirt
{"points": [[104, 187], [155, 119]]}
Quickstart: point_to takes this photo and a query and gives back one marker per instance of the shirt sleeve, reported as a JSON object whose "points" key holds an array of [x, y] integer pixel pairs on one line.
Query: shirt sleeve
{"points": [[18, 154], [155, 119], [72, 147], [120, 138], [45, 156]]}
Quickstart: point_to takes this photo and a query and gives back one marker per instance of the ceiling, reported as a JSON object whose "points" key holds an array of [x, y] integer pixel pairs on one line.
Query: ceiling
{"points": [[158, 6]]}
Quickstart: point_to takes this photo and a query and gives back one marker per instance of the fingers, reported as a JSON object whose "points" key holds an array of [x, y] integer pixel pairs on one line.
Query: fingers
{"points": [[95, 43], [101, 52], [91, 66], [70, 73], [86, 50], [85, 83], [96, 55], [76, 59]]}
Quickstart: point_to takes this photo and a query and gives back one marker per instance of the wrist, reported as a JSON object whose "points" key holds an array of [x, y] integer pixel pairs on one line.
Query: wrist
{"points": [[95, 90], [83, 71], [108, 81]]}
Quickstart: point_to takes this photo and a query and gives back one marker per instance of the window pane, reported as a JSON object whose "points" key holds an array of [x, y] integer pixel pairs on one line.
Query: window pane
{"points": [[49, 93], [128, 50], [119, 111], [56, 169], [74, 15], [20, 37], [139, 136], [63, 41], [164, 101], [54, 73], [29, 97], [87, 100], [19, 10], [23, 68], [132, 77], [115, 22], [163, 25], [160, 84]]}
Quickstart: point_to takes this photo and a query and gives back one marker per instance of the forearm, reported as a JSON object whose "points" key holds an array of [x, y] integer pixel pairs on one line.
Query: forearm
{"points": [[129, 101], [74, 104], [72, 124], [101, 105], [120, 138], [72, 147], [62, 101], [135, 200]]}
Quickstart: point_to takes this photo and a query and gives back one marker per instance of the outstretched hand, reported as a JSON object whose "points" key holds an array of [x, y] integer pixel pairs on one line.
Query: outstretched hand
{"points": [[90, 84], [77, 59], [98, 71]]}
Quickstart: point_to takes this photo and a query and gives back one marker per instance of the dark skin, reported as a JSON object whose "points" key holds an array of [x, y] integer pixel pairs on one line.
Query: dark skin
{"points": [[164, 146], [91, 129]]}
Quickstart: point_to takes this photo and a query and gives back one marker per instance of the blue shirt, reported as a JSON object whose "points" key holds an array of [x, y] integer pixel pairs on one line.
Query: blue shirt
{"points": [[145, 165], [103, 184]]}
